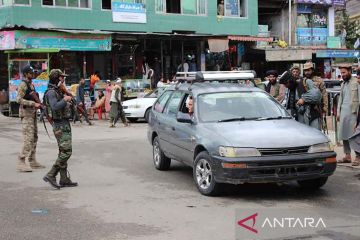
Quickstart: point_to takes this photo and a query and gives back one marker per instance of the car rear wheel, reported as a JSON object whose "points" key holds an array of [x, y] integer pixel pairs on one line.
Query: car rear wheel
{"points": [[203, 175], [133, 120], [313, 183], [161, 162]]}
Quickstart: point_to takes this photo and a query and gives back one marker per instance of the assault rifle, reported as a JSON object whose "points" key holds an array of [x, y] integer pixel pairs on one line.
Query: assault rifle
{"points": [[43, 110]]}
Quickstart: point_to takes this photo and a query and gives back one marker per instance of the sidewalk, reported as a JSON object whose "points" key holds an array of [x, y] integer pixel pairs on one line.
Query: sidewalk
{"points": [[340, 155]]}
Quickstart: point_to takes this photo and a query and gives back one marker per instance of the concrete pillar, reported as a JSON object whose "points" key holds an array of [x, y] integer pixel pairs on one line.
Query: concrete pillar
{"points": [[331, 21]]}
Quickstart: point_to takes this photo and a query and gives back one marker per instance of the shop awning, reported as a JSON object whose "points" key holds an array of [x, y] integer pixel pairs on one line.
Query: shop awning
{"points": [[250, 39], [34, 50]]}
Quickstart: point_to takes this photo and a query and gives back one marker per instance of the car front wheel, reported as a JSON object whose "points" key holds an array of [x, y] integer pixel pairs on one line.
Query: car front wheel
{"points": [[147, 115], [315, 183], [161, 162], [204, 176]]}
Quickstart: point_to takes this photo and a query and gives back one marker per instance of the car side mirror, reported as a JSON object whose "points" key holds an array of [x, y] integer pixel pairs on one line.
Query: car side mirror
{"points": [[184, 118]]}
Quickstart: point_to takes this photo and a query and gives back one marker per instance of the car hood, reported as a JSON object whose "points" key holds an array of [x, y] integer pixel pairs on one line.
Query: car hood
{"points": [[139, 101], [266, 134]]}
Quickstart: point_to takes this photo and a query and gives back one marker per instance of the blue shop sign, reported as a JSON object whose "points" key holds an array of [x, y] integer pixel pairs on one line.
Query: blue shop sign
{"points": [[338, 54]]}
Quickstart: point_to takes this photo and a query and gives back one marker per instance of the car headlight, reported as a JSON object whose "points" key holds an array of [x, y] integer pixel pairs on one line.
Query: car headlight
{"points": [[233, 152], [322, 147]]}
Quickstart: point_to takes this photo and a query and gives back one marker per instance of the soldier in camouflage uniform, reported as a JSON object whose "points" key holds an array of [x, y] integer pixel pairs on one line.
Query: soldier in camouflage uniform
{"points": [[27, 113], [58, 107], [319, 83]]}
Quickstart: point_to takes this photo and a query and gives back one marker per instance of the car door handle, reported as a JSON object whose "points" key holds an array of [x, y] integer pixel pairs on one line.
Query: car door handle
{"points": [[173, 128]]}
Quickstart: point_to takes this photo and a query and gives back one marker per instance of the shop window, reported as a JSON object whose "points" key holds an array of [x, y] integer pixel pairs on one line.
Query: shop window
{"points": [[232, 8], [193, 7], [67, 3], [22, 2], [106, 4], [48, 2], [173, 6]]}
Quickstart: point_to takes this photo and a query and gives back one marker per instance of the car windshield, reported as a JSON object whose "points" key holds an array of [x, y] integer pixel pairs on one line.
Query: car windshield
{"points": [[239, 106]]}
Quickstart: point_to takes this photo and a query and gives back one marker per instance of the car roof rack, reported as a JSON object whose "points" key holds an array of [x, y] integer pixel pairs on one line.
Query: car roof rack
{"points": [[224, 75], [216, 76]]}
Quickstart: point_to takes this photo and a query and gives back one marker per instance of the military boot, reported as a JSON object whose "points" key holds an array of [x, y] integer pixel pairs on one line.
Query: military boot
{"points": [[50, 177], [36, 165], [65, 180], [23, 167]]}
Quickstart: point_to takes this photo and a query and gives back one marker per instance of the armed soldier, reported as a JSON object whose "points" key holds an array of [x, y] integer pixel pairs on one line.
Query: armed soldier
{"points": [[27, 113], [301, 99], [59, 109], [319, 83]]}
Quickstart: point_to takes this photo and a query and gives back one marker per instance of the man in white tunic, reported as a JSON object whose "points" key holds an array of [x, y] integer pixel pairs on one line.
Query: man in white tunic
{"points": [[348, 107]]}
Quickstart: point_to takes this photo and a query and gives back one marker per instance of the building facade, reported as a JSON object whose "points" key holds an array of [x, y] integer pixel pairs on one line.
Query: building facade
{"points": [[119, 38]]}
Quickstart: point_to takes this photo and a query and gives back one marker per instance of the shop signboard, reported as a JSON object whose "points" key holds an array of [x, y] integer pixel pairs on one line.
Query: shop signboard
{"points": [[333, 42], [312, 36], [339, 2], [323, 2], [128, 12], [40, 87], [7, 40], [338, 53], [62, 41], [304, 8], [320, 2]]}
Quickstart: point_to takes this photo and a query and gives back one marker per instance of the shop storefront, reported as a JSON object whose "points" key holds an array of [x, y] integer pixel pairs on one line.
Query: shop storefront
{"points": [[46, 50]]}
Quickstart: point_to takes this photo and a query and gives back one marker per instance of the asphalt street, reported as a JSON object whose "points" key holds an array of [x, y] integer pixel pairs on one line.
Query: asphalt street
{"points": [[121, 195]]}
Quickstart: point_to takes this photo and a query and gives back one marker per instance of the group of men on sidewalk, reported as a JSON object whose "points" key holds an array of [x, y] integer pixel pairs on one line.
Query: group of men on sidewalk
{"points": [[304, 97], [307, 101]]}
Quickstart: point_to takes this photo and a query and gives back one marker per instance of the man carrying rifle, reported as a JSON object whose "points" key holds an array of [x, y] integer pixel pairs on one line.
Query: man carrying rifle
{"points": [[58, 106], [27, 113]]}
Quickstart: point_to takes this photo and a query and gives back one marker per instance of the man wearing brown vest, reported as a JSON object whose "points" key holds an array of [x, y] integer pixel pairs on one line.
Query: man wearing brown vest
{"points": [[348, 106]]}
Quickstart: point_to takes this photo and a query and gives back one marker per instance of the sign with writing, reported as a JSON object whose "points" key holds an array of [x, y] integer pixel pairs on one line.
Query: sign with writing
{"points": [[333, 42], [320, 2], [304, 8], [312, 36], [338, 54], [7, 40], [339, 2], [62, 41], [40, 87], [128, 12]]}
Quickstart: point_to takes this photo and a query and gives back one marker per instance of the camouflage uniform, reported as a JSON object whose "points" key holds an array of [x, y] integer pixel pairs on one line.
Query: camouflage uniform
{"points": [[60, 112], [319, 83], [27, 113]]}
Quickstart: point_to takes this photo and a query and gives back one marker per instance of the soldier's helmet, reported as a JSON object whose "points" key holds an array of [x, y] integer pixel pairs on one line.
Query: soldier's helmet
{"points": [[27, 69], [56, 73]]}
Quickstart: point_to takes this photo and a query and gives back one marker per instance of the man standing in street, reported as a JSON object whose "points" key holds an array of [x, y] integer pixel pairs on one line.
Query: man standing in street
{"points": [[80, 100], [59, 109], [348, 107], [27, 113], [116, 109]]}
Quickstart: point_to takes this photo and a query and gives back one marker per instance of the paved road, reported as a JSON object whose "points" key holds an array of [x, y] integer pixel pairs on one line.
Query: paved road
{"points": [[122, 196]]}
